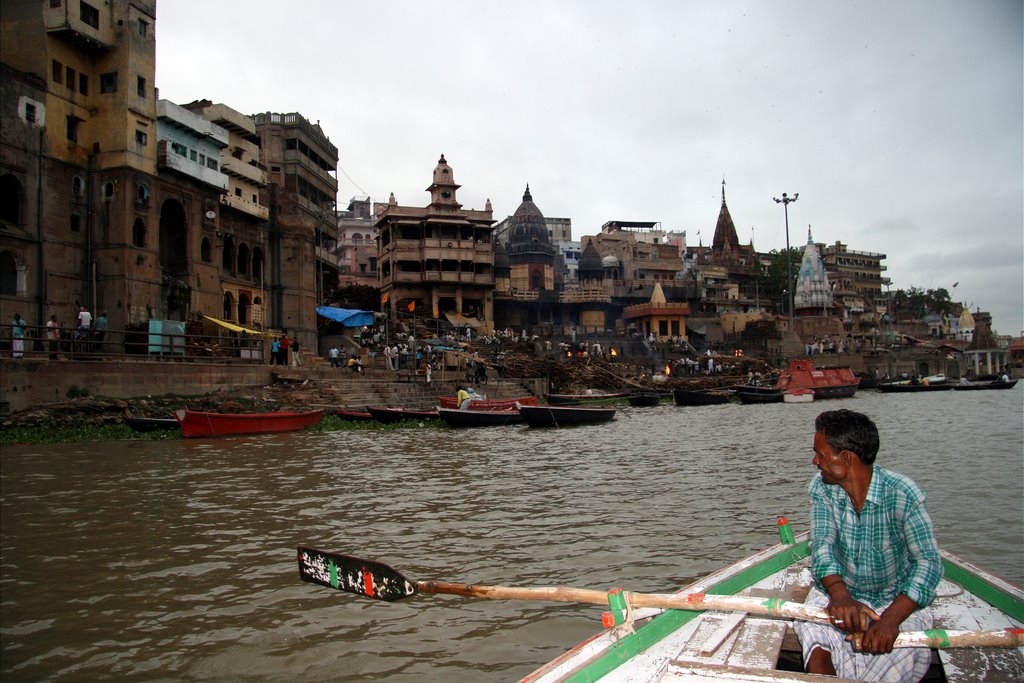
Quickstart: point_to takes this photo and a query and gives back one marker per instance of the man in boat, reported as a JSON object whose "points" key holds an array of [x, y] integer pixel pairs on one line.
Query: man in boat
{"points": [[874, 557]]}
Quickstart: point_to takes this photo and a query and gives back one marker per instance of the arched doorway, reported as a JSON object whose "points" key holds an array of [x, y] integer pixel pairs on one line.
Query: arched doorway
{"points": [[173, 242], [243, 309], [243, 260], [229, 306]]}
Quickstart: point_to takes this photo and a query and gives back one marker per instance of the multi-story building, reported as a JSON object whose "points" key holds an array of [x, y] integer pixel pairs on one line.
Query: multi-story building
{"points": [[301, 195], [357, 247], [238, 248], [94, 225], [858, 281], [188, 155], [437, 260]]}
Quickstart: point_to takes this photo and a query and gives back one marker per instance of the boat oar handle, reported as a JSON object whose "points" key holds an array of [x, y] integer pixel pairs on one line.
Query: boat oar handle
{"points": [[379, 581]]}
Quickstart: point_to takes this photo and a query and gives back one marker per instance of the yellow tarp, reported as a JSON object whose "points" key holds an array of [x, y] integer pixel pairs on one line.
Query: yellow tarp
{"points": [[238, 328]]}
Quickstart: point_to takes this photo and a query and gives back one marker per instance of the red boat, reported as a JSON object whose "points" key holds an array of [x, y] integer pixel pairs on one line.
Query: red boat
{"points": [[485, 404], [825, 382], [224, 424]]}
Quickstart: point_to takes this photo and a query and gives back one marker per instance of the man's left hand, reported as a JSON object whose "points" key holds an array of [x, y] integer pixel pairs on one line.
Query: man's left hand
{"points": [[879, 637]]}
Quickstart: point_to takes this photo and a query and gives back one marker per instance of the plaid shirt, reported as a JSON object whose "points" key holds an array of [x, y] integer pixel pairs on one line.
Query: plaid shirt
{"points": [[887, 549]]}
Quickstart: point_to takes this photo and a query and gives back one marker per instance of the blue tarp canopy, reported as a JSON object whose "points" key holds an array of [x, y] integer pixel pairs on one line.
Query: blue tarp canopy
{"points": [[348, 317]]}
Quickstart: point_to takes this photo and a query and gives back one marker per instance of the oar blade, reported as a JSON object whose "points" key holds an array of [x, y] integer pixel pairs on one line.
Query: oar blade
{"points": [[353, 575]]}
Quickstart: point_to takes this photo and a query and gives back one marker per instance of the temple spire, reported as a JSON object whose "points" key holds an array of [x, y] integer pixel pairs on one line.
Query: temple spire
{"points": [[723, 190]]}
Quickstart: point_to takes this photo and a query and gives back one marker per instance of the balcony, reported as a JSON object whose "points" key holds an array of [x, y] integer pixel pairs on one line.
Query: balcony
{"points": [[245, 206], [68, 24], [166, 158], [243, 170]]}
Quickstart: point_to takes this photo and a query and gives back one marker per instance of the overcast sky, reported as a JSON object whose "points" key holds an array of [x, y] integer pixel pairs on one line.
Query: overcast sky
{"points": [[898, 123]]}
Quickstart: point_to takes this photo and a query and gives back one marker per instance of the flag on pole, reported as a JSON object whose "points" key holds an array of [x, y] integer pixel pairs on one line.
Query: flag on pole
{"points": [[435, 310], [412, 306], [384, 299]]}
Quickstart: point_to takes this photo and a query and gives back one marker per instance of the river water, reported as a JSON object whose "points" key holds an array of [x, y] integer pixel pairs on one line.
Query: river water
{"points": [[175, 560]]}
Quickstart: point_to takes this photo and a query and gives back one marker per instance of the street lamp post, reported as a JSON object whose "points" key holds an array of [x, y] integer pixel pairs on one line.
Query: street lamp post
{"points": [[786, 201]]}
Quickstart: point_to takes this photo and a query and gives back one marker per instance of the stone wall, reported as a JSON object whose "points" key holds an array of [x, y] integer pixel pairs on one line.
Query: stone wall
{"points": [[26, 383]]}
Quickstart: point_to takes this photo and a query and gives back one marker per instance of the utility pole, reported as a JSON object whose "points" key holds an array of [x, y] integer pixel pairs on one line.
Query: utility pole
{"points": [[786, 201]]}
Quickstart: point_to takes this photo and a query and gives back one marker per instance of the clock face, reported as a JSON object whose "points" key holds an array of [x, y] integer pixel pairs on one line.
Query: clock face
{"points": [[446, 194]]}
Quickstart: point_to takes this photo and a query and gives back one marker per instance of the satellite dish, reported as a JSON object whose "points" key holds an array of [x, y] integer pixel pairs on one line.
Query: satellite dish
{"points": [[210, 215]]}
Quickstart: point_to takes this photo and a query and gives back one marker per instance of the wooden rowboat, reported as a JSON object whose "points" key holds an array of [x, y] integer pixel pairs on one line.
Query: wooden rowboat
{"points": [[749, 397], [977, 386], [644, 400], [739, 644], [354, 415], [489, 404], [734, 624], [577, 399], [563, 416], [708, 397], [152, 424], [479, 418], [908, 388], [195, 424], [389, 415]]}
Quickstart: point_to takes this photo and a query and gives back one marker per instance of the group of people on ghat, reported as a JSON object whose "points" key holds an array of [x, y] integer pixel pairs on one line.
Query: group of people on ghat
{"points": [[88, 334]]}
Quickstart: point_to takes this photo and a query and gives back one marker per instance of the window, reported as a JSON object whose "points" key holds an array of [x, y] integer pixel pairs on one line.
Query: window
{"points": [[58, 72], [179, 149], [30, 113], [72, 131], [192, 155], [83, 84], [76, 223], [54, 4], [141, 137], [211, 163], [238, 192], [108, 82], [140, 86], [202, 160], [143, 28], [139, 233], [70, 80], [90, 15]]}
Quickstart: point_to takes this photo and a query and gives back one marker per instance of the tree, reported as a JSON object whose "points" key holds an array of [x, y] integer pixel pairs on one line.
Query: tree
{"points": [[775, 274], [917, 303]]}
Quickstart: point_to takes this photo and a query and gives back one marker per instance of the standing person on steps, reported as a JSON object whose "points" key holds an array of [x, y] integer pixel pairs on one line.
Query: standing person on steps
{"points": [[17, 336], [874, 557]]}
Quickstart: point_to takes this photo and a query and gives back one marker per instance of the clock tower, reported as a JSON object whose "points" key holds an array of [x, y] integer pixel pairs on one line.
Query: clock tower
{"points": [[442, 190]]}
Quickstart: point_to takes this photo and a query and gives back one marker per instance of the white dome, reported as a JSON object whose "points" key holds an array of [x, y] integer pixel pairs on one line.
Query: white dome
{"points": [[609, 262]]}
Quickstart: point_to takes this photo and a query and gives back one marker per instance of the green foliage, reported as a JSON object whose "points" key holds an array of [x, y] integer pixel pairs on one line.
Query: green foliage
{"points": [[775, 274], [74, 391], [917, 303]]}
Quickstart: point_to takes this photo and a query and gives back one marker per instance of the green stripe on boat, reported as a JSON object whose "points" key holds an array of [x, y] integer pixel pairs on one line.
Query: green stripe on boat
{"points": [[669, 621]]}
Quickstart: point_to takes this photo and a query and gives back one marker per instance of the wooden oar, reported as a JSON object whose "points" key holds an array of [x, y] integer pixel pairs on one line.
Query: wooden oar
{"points": [[382, 582]]}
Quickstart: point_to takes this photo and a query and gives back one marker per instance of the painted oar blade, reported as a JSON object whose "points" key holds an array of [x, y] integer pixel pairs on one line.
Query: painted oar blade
{"points": [[353, 575]]}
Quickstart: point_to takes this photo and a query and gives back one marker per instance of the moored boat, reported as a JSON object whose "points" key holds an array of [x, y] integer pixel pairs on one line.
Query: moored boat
{"points": [[736, 643], [354, 415], [562, 416], [705, 397], [825, 382], [388, 415], [578, 399], [195, 424], [479, 418], [751, 397], [798, 396], [152, 424], [489, 404], [978, 386], [911, 387], [644, 400]]}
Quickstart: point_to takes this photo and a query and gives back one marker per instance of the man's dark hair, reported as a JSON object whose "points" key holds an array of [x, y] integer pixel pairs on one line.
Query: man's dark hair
{"points": [[846, 430]]}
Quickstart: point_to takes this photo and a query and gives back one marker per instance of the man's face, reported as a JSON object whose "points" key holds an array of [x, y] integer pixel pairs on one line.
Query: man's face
{"points": [[832, 464]]}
